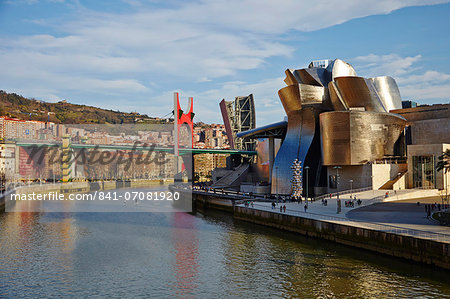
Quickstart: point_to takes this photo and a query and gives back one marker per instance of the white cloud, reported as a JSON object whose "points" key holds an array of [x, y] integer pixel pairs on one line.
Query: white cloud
{"points": [[428, 87], [432, 77], [206, 103], [425, 86], [202, 41], [382, 65], [193, 40], [426, 93], [275, 17], [265, 92]]}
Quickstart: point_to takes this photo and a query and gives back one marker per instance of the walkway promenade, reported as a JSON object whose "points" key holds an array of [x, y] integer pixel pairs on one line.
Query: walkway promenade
{"points": [[404, 216]]}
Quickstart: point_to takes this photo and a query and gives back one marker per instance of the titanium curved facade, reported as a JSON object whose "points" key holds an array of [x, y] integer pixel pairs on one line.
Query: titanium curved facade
{"points": [[358, 92], [339, 68], [334, 118], [358, 137], [388, 92], [337, 102], [315, 76], [300, 133], [294, 96]]}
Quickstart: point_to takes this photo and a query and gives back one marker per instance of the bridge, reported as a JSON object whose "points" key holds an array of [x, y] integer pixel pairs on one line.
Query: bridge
{"points": [[70, 150], [185, 153], [182, 151]]}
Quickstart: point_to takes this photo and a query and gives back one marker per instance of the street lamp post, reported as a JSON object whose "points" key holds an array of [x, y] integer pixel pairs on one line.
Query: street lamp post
{"points": [[351, 188], [338, 201], [446, 186], [423, 175], [444, 196], [337, 179], [307, 194], [398, 178], [373, 189]]}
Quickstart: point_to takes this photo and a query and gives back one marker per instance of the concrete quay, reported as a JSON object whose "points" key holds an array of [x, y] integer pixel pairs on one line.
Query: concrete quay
{"points": [[398, 210]]}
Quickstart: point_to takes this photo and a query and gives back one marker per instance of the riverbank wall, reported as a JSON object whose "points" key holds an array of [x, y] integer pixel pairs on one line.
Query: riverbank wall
{"points": [[204, 200], [425, 251]]}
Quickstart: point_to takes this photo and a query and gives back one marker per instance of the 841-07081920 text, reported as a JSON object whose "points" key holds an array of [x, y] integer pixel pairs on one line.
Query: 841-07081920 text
{"points": [[138, 195]]}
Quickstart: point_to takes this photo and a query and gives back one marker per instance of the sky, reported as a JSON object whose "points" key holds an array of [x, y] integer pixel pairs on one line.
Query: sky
{"points": [[131, 55]]}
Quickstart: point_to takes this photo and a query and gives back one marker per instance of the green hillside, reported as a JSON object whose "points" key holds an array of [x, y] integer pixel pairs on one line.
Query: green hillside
{"points": [[16, 106]]}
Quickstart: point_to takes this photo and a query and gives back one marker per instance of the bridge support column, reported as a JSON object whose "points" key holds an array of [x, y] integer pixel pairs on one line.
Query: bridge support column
{"points": [[66, 158]]}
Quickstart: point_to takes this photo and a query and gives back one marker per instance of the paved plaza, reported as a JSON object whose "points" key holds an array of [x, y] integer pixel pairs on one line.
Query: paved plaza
{"points": [[398, 210]]}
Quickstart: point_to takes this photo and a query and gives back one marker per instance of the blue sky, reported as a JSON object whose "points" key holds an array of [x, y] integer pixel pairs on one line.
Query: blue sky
{"points": [[131, 55]]}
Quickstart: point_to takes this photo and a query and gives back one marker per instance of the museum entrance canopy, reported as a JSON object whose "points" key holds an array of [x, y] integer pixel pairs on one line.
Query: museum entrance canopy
{"points": [[276, 130]]}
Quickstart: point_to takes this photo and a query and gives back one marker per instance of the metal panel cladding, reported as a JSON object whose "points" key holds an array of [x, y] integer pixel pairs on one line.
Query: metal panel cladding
{"points": [[358, 137]]}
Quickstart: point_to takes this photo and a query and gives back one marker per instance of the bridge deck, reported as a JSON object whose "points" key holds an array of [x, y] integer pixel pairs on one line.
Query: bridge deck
{"points": [[183, 151]]}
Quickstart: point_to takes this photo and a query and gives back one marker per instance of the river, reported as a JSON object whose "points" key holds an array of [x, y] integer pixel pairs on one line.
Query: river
{"points": [[200, 255]]}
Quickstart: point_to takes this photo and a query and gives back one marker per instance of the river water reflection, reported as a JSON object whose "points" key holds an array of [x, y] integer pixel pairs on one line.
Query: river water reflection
{"points": [[191, 255]]}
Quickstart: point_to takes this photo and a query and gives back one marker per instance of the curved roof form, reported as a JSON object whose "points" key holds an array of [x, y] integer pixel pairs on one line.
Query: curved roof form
{"points": [[277, 130], [388, 92], [339, 68], [359, 92]]}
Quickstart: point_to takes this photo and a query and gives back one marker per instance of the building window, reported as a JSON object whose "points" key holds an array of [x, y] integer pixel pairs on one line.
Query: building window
{"points": [[424, 172], [332, 181]]}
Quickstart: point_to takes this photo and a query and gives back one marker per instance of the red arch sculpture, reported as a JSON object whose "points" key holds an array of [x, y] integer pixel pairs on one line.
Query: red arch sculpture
{"points": [[181, 118]]}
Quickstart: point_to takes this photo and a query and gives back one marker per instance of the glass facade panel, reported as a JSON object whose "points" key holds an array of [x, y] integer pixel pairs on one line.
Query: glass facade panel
{"points": [[424, 172]]}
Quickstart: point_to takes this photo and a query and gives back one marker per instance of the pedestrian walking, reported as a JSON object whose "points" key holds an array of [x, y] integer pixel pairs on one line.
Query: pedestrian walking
{"points": [[284, 209], [428, 207], [306, 207]]}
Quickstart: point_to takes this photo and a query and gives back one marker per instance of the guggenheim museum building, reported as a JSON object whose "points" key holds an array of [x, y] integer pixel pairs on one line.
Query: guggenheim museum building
{"points": [[348, 132]]}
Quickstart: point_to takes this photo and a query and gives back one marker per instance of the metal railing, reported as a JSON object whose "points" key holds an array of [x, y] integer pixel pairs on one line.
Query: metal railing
{"points": [[391, 160], [243, 195], [360, 223], [247, 196], [328, 195]]}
